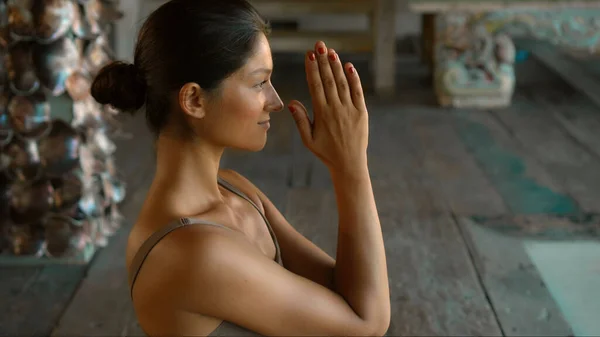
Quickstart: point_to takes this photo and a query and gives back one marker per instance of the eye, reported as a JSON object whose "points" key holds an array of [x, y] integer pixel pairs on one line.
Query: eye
{"points": [[261, 84]]}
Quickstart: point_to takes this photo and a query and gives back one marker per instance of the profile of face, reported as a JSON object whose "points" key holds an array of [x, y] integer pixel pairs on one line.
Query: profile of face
{"points": [[202, 71], [237, 114]]}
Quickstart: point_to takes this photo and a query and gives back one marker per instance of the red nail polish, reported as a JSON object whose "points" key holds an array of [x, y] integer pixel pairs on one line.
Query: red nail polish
{"points": [[311, 56], [292, 109], [321, 50], [332, 56], [352, 70]]}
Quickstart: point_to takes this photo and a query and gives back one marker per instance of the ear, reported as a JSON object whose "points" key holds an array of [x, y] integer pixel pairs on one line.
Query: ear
{"points": [[192, 100]]}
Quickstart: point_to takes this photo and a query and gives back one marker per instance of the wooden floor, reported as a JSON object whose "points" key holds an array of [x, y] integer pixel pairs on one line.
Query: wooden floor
{"points": [[458, 192]]}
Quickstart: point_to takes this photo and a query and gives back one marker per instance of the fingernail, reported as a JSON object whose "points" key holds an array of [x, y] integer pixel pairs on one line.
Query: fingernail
{"points": [[292, 109], [321, 50], [332, 56], [352, 70], [311, 56]]}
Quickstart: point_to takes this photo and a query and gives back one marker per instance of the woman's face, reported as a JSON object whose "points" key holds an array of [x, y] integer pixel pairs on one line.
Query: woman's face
{"points": [[238, 116]]}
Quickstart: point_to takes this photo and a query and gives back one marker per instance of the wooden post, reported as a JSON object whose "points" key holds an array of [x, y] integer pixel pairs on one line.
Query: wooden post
{"points": [[427, 38], [384, 52]]}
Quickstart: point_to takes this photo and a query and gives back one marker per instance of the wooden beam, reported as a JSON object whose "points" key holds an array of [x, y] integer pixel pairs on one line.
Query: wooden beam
{"points": [[384, 54], [294, 8], [295, 41], [439, 6]]}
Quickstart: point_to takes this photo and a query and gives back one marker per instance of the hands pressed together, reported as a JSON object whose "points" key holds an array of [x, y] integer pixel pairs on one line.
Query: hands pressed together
{"points": [[338, 133]]}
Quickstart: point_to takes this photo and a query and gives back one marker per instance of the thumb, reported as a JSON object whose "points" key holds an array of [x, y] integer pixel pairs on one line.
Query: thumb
{"points": [[303, 123]]}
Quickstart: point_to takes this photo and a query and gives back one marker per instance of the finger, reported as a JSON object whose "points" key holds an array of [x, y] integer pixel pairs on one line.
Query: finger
{"points": [[356, 90], [327, 78], [300, 115], [340, 78], [313, 79]]}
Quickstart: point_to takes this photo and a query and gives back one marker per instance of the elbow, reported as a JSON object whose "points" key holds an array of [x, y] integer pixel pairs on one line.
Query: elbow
{"points": [[376, 327], [381, 328], [381, 325]]}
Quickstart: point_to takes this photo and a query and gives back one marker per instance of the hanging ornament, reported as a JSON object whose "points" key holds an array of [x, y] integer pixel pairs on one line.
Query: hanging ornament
{"points": [[19, 66], [20, 19], [54, 63], [64, 237], [59, 185], [30, 115], [29, 202], [52, 19], [59, 151], [25, 240], [23, 158]]}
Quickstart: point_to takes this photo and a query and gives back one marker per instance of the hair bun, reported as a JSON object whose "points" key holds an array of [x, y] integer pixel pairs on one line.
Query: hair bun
{"points": [[120, 85]]}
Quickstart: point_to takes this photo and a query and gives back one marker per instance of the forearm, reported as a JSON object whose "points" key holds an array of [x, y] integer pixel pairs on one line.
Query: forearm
{"points": [[360, 272]]}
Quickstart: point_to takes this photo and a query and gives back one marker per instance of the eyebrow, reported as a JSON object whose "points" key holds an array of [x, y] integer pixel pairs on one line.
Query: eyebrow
{"points": [[261, 70]]}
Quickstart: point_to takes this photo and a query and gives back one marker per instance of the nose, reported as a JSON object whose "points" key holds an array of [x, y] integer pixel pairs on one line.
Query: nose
{"points": [[275, 104]]}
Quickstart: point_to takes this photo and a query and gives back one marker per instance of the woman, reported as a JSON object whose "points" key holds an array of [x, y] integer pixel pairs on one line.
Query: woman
{"points": [[209, 253]]}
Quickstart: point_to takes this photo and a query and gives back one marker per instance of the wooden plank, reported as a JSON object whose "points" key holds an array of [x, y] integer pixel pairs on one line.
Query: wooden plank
{"points": [[575, 75], [461, 181], [563, 158], [577, 115], [272, 9], [319, 177], [437, 6], [301, 41], [434, 287], [13, 283], [313, 212], [397, 171], [81, 258], [522, 303], [269, 173], [383, 23], [41, 302], [543, 227], [132, 328], [525, 185]]}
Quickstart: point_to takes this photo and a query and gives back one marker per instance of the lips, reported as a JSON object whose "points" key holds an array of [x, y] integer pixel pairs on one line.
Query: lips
{"points": [[265, 124]]}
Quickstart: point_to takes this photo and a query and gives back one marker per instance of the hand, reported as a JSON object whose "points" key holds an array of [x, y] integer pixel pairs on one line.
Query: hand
{"points": [[339, 133]]}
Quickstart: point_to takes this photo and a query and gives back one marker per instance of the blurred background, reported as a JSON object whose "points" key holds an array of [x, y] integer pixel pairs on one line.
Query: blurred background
{"points": [[484, 154]]}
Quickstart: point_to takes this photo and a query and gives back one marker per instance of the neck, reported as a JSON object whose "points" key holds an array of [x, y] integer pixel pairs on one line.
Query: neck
{"points": [[185, 182]]}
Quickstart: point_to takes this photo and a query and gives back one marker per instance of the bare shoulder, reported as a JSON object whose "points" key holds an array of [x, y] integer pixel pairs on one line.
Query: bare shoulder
{"points": [[234, 177], [242, 183]]}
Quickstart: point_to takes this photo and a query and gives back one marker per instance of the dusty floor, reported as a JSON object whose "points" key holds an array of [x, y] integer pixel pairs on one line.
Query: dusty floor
{"points": [[483, 213]]}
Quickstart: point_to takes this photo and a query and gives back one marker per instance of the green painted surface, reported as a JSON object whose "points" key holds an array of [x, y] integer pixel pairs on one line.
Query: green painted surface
{"points": [[507, 171], [571, 271]]}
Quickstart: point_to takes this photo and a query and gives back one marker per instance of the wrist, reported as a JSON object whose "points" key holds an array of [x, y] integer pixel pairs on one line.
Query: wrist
{"points": [[350, 172]]}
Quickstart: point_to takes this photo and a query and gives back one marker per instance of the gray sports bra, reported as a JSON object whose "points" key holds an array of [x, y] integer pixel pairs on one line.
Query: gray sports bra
{"points": [[225, 328]]}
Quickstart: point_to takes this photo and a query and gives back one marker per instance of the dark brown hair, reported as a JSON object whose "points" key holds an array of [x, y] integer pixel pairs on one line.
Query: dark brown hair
{"points": [[183, 41]]}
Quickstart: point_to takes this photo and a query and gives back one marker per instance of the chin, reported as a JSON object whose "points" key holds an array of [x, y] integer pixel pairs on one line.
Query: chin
{"points": [[252, 146]]}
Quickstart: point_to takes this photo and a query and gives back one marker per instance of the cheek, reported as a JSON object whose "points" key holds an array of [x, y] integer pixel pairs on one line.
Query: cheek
{"points": [[248, 108]]}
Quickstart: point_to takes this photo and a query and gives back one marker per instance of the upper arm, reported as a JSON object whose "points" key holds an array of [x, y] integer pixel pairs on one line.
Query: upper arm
{"points": [[229, 279], [300, 255]]}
